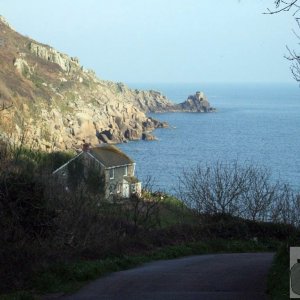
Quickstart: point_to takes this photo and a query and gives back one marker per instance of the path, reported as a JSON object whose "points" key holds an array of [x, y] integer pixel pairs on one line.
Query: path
{"points": [[214, 276]]}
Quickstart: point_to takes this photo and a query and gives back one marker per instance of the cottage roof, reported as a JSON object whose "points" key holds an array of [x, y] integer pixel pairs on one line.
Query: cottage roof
{"points": [[110, 156], [131, 179]]}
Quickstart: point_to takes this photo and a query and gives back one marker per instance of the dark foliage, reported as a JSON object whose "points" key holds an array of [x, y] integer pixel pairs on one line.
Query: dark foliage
{"points": [[42, 224]]}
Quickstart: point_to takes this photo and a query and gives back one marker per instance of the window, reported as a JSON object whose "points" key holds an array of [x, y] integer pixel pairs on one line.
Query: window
{"points": [[133, 188], [119, 188], [111, 173], [126, 171]]}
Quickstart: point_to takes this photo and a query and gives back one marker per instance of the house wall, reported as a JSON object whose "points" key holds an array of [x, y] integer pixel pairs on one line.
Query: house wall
{"points": [[136, 188], [63, 173], [115, 185], [87, 164], [131, 170]]}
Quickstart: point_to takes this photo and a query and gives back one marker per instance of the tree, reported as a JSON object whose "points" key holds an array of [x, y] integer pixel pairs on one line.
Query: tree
{"points": [[215, 188], [293, 55], [260, 194], [242, 190], [283, 5], [285, 206], [142, 211]]}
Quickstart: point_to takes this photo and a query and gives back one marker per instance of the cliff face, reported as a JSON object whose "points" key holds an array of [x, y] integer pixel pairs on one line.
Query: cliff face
{"points": [[49, 98]]}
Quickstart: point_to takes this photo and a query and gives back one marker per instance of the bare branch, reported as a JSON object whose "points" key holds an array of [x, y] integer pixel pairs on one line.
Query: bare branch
{"points": [[287, 7], [295, 67]]}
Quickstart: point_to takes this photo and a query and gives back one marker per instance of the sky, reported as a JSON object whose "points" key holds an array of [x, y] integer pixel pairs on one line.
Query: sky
{"points": [[152, 41]]}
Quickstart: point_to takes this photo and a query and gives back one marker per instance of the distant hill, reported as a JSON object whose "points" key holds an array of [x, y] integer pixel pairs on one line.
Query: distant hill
{"points": [[49, 98]]}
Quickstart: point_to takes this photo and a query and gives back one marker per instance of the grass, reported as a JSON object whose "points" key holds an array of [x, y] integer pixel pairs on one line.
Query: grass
{"points": [[70, 277], [37, 81], [19, 296], [173, 211], [278, 280]]}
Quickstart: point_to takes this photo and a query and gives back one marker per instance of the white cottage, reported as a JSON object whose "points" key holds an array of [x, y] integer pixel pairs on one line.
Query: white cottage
{"points": [[116, 168]]}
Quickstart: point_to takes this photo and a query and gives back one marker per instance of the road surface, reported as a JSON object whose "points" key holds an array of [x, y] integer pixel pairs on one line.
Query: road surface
{"points": [[215, 276]]}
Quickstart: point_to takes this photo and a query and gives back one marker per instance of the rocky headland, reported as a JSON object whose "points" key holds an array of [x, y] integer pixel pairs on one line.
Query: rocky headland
{"points": [[51, 102]]}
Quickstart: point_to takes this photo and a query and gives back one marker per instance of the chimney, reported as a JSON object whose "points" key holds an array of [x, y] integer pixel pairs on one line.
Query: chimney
{"points": [[86, 146]]}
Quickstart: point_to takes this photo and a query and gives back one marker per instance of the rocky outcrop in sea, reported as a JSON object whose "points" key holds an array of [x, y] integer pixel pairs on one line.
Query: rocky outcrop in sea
{"points": [[196, 103]]}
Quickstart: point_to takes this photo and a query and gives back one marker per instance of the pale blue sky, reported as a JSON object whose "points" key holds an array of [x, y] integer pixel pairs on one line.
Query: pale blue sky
{"points": [[163, 40]]}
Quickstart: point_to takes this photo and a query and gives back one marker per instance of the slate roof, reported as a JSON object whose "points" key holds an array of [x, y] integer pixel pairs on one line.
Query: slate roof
{"points": [[110, 156]]}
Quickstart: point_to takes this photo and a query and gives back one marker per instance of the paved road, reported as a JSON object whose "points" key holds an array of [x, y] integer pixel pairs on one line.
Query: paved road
{"points": [[216, 276]]}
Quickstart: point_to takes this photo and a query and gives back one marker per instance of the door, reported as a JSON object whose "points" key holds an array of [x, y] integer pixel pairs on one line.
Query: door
{"points": [[125, 190]]}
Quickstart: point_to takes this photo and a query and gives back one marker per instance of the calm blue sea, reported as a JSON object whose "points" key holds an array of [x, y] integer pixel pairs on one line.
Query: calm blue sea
{"points": [[259, 123]]}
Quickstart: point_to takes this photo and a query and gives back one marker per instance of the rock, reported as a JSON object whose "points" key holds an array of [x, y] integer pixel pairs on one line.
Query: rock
{"points": [[60, 103], [5, 22], [103, 138], [22, 66], [151, 124], [159, 124], [68, 64], [146, 136], [153, 101], [132, 134], [195, 103], [164, 124], [108, 134]]}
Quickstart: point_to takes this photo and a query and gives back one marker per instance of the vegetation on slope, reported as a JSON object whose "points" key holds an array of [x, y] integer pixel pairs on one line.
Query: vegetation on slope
{"points": [[47, 233]]}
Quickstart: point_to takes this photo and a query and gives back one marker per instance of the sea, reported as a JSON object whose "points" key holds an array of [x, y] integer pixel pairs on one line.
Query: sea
{"points": [[254, 123]]}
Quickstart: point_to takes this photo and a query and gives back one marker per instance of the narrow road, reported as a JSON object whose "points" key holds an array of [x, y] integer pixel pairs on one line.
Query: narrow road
{"points": [[215, 276]]}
